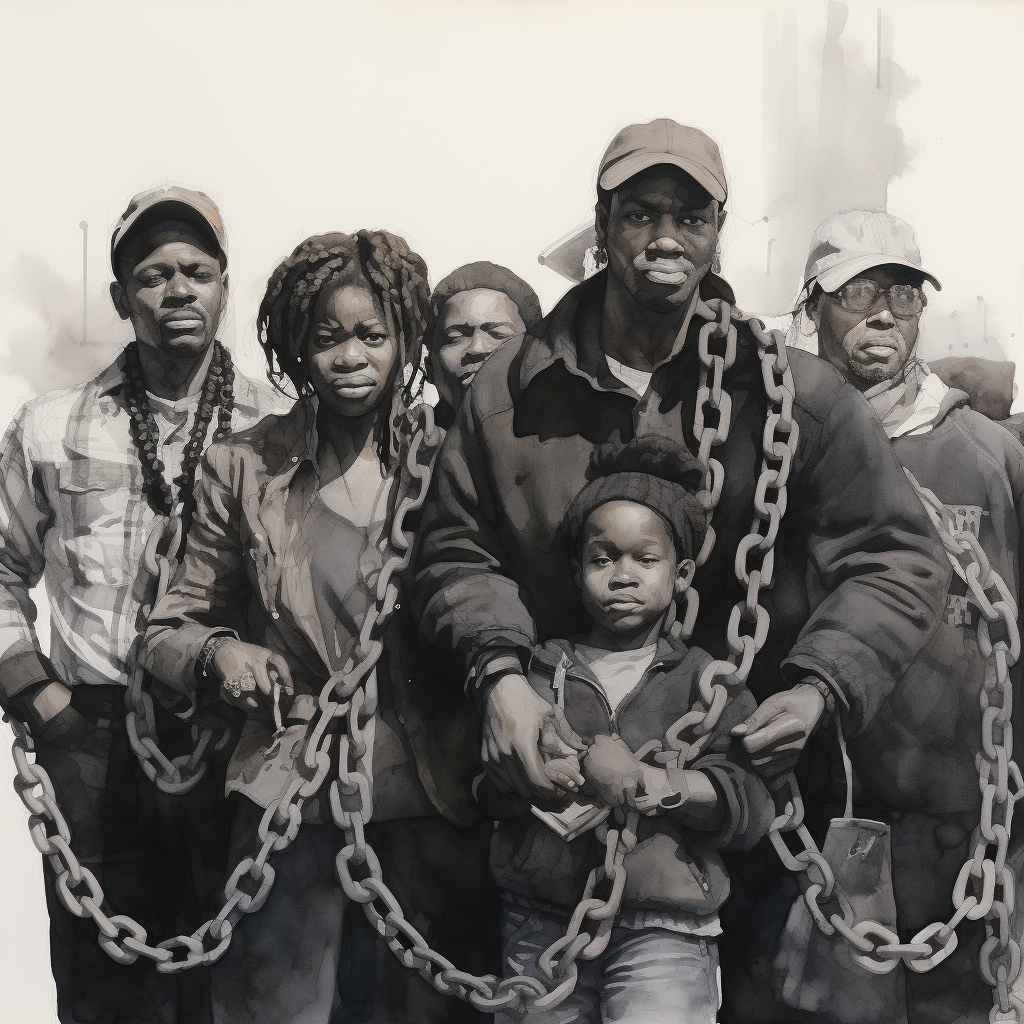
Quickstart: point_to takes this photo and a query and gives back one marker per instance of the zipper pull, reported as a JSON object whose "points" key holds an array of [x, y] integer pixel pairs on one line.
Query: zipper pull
{"points": [[558, 682]]}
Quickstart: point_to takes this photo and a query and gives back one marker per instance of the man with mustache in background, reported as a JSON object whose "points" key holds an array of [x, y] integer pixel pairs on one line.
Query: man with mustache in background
{"points": [[864, 295], [858, 574], [85, 475]]}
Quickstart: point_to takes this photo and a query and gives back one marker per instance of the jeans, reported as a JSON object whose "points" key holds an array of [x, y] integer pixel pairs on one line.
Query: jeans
{"points": [[643, 977]]}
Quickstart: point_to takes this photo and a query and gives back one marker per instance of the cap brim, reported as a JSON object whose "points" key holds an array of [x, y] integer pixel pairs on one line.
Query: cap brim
{"points": [[174, 209], [622, 171], [836, 277]]}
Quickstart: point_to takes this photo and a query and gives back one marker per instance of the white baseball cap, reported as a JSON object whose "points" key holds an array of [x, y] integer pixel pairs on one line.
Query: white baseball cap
{"points": [[851, 242]]}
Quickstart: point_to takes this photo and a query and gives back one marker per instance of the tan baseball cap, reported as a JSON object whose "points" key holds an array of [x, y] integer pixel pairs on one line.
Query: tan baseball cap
{"points": [[176, 203], [664, 141], [851, 242]]}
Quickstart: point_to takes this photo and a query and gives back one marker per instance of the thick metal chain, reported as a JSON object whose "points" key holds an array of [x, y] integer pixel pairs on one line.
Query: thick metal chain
{"points": [[755, 555], [985, 887], [250, 883], [210, 733]]}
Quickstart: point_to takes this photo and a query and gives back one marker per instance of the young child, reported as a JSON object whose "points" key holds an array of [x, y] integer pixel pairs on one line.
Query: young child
{"points": [[634, 529]]}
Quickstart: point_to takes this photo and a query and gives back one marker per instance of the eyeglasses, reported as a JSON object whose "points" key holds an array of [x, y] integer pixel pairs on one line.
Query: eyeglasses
{"points": [[860, 294]]}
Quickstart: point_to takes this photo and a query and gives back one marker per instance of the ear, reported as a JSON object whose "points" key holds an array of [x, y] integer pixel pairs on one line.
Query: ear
{"points": [[428, 366], [120, 300], [684, 575], [577, 572], [601, 215], [722, 214], [813, 309]]}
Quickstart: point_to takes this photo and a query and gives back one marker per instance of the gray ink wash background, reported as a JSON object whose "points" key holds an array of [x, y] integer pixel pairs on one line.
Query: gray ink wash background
{"points": [[474, 129]]}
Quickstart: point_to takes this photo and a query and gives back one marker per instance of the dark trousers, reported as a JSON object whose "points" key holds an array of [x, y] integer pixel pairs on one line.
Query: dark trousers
{"points": [[160, 859], [308, 956]]}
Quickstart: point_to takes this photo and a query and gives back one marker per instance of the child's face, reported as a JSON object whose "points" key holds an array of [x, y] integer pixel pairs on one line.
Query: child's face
{"points": [[627, 571]]}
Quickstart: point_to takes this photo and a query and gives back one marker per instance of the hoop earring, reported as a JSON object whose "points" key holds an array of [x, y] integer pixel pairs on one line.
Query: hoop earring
{"points": [[716, 263]]}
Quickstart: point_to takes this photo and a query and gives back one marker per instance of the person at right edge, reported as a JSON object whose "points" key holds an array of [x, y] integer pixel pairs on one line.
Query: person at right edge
{"points": [[859, 573], [863, 295]]}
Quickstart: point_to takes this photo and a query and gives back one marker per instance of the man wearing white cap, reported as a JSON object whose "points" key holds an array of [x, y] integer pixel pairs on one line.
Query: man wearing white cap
{"points": [[863, 295], [85, 475], [621, 356]]}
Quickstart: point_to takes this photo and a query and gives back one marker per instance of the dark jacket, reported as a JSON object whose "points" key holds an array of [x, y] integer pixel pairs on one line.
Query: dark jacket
{"points": [[918, 753], [860, 576], [672, 867], [236, 573]]}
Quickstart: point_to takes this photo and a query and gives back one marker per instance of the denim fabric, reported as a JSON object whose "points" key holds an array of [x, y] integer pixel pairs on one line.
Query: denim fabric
{"points": [[652, 976]]}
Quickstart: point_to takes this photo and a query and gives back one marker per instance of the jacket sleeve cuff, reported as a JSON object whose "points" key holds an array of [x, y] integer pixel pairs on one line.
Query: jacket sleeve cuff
{"points": [[489, 666], [23, 668]]}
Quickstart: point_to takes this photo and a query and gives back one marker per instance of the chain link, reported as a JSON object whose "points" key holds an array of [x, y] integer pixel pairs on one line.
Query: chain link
{"points": [[985, 888]]}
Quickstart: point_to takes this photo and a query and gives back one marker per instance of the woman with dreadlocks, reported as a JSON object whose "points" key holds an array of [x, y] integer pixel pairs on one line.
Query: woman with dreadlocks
{"points": [[280, 576]]}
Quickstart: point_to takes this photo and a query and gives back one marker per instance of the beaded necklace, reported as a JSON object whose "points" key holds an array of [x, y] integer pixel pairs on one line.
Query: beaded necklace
{"points": [[218, 391]]}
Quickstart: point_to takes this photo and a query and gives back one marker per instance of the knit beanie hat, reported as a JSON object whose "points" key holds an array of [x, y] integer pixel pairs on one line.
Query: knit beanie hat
{"points": [[651, 471]]}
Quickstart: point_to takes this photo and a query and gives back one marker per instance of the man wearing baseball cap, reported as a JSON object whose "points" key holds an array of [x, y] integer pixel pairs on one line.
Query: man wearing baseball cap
{"points": [[618, 357], [863, 295], [85, 475]]}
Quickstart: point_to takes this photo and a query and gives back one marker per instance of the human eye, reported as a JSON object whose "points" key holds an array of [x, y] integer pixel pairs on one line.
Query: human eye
{"points": [[600, 561], [694, 220], [502, 332], [151, 278], [638, 217], [649, 560], [204, 275]]}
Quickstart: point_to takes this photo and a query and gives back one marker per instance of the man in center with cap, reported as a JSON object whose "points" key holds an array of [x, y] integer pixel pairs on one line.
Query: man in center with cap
{"points": [[863, 296], [86, 474], [859, 574]]}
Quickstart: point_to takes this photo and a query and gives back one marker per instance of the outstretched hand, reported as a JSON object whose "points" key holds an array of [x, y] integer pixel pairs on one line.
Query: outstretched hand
{"points": [[775, 734], [516, 718]]}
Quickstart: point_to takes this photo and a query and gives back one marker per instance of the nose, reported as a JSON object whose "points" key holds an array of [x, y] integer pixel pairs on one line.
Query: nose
{"points": [[884, 314], [623, 577], [350, 355], [666, 244], [479, 344], [180, 289]]}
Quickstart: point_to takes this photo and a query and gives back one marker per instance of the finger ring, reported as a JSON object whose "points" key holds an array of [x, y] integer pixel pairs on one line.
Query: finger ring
{"points": [[240, 684]]}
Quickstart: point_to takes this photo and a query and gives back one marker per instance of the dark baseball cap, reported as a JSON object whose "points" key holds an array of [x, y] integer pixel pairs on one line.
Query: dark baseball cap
{"points": [[169, 202], [663, 141]]}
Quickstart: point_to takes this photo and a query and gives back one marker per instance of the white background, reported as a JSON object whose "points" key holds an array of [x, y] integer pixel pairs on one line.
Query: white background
{"points": [[474, 129]]}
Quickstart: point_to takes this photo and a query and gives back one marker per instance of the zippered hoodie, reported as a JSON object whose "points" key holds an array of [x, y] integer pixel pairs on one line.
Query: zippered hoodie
{"points": [[672, 867]]}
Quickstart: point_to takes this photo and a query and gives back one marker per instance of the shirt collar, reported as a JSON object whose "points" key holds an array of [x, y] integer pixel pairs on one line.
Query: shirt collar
{"points": [[246, 396], [570, 334]]}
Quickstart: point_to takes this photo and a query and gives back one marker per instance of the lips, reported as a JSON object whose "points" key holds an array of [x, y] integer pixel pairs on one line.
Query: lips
{"points": [[183, 320], [664, 271], [353, 385]]}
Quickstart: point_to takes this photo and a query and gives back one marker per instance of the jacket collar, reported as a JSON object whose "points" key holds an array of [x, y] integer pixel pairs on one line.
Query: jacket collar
{"points": [[113, 378], [670, 653], [564, 335]]}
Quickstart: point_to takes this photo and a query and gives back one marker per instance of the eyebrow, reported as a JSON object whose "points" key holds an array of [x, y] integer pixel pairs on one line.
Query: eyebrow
{"points": [[658, 207], [486, 326]]}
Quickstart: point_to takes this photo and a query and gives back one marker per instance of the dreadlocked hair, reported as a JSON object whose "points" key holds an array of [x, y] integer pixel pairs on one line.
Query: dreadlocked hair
{"points": [[398, 279]]}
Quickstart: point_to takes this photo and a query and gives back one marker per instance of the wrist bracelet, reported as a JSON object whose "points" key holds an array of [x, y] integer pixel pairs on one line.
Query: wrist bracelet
{"points": [[204, 663], [826, 691]]}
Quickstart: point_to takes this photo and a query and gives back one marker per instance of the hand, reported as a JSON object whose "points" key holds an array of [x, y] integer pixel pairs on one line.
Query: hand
{"points": [[653, 789], [776, 732], [248, 672], [514, 716], [613, 771], [49, 702]]}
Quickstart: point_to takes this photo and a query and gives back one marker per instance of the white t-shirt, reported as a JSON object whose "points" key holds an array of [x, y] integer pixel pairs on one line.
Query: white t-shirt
{"points": [[618, 672], [638, 380], [174, 422]]}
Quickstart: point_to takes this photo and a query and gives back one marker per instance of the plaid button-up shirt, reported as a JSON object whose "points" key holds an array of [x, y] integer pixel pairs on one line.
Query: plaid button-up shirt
{"points": [[73, 513]]}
